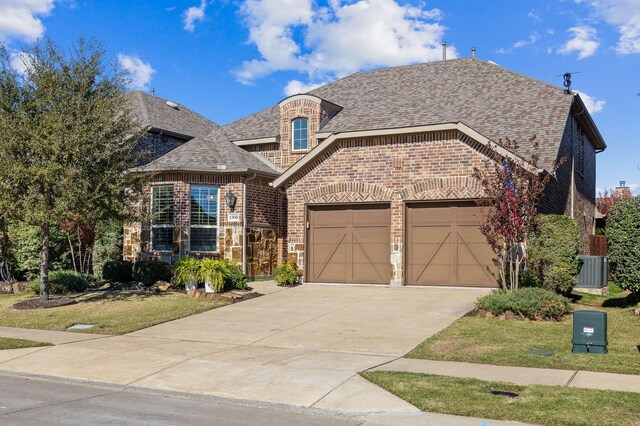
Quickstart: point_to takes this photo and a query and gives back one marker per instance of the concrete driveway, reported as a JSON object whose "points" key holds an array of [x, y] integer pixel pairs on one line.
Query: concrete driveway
{"points": [[300, 346]]}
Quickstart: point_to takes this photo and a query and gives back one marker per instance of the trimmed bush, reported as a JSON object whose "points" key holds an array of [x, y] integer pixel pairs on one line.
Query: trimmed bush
{"points": [[553, 250], [234, 278], [148, 272], [286, 274], [623, 238], [533, 303], [120, 271], [64, 282]]}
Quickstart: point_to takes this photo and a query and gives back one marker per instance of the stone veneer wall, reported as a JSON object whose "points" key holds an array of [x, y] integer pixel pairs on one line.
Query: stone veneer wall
{"points": [[394, 169], [137, 236], [557, 196], [265, 234]]}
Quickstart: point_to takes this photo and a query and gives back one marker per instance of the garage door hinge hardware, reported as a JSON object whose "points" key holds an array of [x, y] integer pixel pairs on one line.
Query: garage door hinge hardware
{"points": [[308, 226]]}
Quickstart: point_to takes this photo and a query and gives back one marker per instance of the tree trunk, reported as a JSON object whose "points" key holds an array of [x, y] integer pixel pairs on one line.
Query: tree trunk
{"points": [[44, 261]]}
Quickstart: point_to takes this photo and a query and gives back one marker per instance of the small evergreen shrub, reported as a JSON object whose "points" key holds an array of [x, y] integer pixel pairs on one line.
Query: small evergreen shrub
{"points": [[25, 244], [120, 271], [234, 278], [61, 282], [553, 250], [533, 303], [148, 272], [623, 238], [286, 274]]}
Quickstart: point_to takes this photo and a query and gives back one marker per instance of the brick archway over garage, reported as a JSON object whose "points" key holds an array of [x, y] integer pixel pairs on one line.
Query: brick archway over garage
{"points": [[447, 188], [348, 192]]}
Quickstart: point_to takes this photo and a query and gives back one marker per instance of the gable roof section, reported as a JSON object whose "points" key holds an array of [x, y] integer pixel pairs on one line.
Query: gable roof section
{"points": [[213, 153], [153, 113], [263, 124]]}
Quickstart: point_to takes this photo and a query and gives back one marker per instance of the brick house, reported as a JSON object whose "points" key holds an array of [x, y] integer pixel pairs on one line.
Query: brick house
{"points": [[369, 179]]}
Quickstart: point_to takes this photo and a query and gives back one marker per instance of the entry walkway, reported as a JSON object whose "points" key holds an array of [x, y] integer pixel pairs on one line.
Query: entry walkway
{"points": [[517, 375]]}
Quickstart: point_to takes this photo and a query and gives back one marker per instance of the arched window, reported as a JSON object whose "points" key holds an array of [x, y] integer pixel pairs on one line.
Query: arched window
{"points": [[300, 134]]}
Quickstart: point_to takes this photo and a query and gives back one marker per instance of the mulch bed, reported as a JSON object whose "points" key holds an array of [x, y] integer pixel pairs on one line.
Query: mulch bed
{"points": [[232, 296], [43, 304]]}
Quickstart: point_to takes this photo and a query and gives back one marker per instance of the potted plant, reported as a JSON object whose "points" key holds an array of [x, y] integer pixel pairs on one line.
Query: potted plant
{"points": [[212, 273], [186, 272]]}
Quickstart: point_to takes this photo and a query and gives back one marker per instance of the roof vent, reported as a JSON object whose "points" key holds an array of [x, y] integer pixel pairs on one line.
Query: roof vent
{"points": [[221, 167], [172, 105]]}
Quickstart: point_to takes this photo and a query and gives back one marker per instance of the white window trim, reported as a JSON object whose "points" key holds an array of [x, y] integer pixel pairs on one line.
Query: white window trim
{"points": [[172, 226], [292, 137], [217, 225]]}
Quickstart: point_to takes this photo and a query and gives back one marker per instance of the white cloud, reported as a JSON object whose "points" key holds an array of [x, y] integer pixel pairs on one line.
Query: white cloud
{"points": [[20, 61], [295, 86], [19, 19], [635, 188], [584, 42], [140, 72], [535, 36], [625, 15], [534, 16], [593, 105], [339, 39], [194, 14]]}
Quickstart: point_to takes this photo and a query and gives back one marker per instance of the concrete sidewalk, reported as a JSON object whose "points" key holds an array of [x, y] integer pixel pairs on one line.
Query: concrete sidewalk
{"points": [[517, 375], [48, 336]]}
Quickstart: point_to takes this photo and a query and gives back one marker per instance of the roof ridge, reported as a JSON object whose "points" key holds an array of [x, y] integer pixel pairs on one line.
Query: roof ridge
{"points": [[145, 112]]}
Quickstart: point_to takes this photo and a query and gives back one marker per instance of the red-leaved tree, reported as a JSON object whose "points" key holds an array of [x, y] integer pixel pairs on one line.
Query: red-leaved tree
{"points": [[513, 188]]}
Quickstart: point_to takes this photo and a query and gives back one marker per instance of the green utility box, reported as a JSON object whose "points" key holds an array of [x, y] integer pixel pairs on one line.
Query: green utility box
{"points": [[590, 332]]}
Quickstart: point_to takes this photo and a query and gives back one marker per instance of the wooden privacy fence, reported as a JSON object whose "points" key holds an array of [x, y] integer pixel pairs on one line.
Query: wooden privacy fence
{"points": [[597, 245]]}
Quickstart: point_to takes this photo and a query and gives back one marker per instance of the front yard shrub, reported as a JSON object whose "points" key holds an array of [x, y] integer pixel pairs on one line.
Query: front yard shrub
{"points": [[148, 272], [623, 235], [286, 274], [64, 282], [120, 271], [553, 253], [234, 278], [533, 303]]}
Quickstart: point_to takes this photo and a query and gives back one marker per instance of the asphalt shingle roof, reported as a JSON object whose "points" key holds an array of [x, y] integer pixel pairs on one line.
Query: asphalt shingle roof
{"points": [[494, 101], [153, 112], [214, 153]]}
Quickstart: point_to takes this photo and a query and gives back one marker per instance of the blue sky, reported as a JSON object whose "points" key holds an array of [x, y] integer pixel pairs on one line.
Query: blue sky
{"points": [[227, 59]]}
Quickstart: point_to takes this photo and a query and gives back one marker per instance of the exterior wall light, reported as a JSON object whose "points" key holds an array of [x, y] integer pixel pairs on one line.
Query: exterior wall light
{"points": [[231, 200]]}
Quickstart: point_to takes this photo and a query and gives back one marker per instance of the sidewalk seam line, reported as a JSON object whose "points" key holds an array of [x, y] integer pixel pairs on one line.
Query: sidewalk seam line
{"points": [[573, 376]]}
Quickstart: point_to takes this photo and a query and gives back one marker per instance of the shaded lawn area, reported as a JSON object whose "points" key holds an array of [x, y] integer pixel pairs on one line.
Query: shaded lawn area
{"points": [[109, 312], [8, 343], [544, 405], [491, 341]]}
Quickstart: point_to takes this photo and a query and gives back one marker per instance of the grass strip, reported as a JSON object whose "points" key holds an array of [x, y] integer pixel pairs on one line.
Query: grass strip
{"points": [[543, 405]]}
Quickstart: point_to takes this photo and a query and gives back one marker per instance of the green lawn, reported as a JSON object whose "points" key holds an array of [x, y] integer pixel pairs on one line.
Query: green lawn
{"points": [[491, 341], [109, 312], [544, 405], [7, 343]]}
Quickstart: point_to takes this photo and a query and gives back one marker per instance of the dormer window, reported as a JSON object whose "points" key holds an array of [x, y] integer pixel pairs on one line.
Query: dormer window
{"points": [[300, 134]]}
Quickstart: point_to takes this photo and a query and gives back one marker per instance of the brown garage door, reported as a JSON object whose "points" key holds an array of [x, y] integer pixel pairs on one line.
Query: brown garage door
{"points": [[349, 244], [445, 246]]}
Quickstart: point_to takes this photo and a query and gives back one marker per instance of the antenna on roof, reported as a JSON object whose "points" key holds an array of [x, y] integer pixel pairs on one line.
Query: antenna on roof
{"points": [[153, 91], [567, 81], [444, 50]]}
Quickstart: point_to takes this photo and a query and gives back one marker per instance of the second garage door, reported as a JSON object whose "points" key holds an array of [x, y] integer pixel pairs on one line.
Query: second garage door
{"points": [[349, 244], [445, 246]]}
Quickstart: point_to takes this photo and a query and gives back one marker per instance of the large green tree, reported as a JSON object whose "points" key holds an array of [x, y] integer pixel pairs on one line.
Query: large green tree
{"points": [[68, 140]]}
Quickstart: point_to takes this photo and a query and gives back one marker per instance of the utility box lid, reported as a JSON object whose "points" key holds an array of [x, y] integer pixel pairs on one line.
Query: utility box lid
{"points": [[590, 328]]}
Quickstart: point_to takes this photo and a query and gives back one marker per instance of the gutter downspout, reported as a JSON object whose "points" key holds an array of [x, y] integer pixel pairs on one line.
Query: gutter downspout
{"points": [[245, 239], [573, 163]]}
